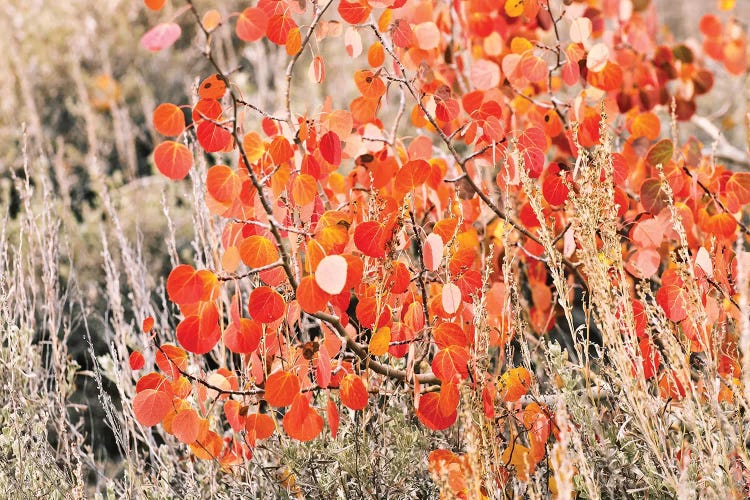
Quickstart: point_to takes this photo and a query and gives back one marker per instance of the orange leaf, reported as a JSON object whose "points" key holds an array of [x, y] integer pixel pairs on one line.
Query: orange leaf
{"points": [[258, 251], [213, 87], [154, 4], [380, 341], [169, 119], [184, 285], [738, 191], [186, 425], [413, 174], [514, 383], [206, 109], [304, 189], [151, 406], [293, 42], [369, 85], [253, 145], [171, 359], [302, 422], [281, 388], [223, 184], [376, 55], [259, 426], [353, 392], [207, 447], [173, 159], [310, 296], [517, 456]]}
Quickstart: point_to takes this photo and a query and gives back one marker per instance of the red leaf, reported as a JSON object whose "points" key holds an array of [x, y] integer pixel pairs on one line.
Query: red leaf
{"points": [[151, 406], [448, 334], [265, 304], [161, 36], [402, 34], [232, 410], [200, 333], [651, 358], [653, 197], [372, 237], [333, 418], [402, 334], [672, 296], [449, 398], [330, 148], [451, 363], [279, 27], [553, 188], [353, 392], [281, 388], [354, 12], [251, 24], [302, 422], [243, 338], [430, 414], [173, 159], [171, 359], [213, 137], [184, 285], [136, 360], [148, 324]]}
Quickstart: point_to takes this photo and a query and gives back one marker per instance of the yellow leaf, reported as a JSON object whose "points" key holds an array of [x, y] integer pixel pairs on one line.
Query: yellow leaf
{"points": [[517, 455], [514, 8], [380, 341]]}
